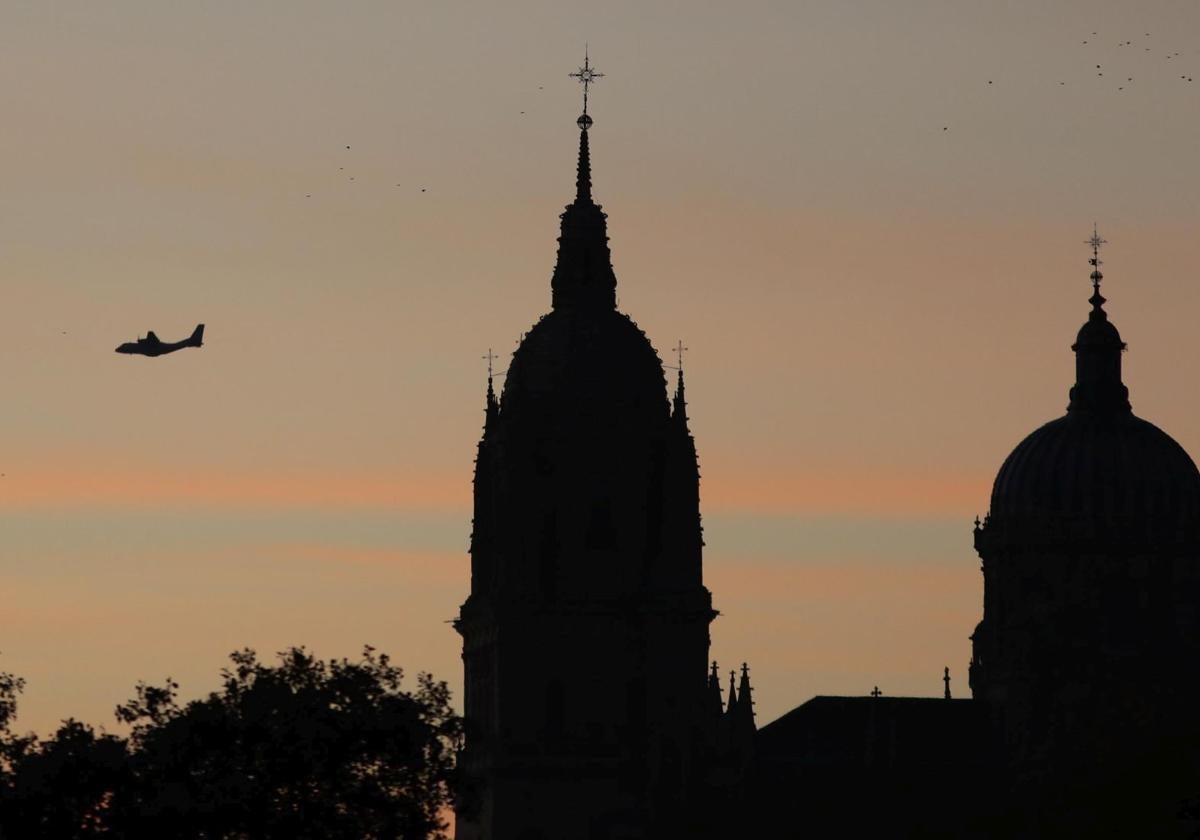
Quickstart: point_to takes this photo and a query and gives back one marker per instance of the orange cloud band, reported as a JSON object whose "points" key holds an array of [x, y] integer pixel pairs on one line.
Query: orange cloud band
{"points": [[832, 490], [777, 490], [146, 488]]}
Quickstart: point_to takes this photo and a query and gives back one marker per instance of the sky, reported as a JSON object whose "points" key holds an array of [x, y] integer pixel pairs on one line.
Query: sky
{"points": [[866, 221]]}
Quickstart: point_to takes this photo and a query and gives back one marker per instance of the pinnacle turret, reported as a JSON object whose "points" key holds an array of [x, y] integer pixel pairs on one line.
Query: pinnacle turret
{"points": [[679, 403], [745, 706], [714, 693]]}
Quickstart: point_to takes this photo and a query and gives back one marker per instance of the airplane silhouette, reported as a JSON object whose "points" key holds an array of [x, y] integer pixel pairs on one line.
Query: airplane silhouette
{"points": [[151, 345]]}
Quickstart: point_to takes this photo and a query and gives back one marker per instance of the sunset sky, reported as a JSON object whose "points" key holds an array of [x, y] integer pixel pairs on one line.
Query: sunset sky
{"points": [[865, 219]]}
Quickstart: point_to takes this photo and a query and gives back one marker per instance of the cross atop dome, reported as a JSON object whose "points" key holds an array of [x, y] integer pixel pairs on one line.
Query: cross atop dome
{"points": [[1095, 242]]}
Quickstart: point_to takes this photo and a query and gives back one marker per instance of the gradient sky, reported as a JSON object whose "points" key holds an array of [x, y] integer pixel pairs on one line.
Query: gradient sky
{"points": [[875, 256]]}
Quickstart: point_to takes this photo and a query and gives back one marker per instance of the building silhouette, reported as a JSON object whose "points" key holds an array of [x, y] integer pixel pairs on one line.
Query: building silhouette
{"points": [[591, 706], [586, 632], [1084, 667]]}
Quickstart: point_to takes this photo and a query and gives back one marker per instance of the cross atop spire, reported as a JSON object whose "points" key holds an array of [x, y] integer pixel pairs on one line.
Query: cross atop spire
{"points": [[586, 75], [492, 405], [679, 350]]}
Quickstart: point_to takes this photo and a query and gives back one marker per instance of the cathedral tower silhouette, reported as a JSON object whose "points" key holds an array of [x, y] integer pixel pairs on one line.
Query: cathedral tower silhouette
{"points": [[586, 632]]}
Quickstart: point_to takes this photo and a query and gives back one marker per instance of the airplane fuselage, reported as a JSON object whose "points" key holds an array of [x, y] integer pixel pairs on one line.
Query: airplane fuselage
{"points": [[141, 347], [152, 346]]}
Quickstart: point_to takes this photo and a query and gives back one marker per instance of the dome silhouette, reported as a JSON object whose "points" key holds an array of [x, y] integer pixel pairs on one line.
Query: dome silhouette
{"points": [[596, 365], [1099, 471]]}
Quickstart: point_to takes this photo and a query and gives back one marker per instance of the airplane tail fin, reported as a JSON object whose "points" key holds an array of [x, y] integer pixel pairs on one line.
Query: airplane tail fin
{"points": [[197, 337]]}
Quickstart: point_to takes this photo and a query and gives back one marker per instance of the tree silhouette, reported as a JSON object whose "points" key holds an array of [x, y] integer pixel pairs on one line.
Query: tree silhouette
{"points": [[302, 749], [67, 786]]}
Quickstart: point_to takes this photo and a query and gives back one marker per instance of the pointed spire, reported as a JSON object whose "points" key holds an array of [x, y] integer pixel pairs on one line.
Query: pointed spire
{"points": [[679, 404], [583, 177], [492, 408], [583, 277], [733, 698], [679, 409], [1098, 347]]}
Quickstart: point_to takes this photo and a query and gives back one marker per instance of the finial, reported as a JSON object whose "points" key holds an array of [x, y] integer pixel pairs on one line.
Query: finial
{"points": [[680, 402], [491, 358], [492, 405], [679, 350], [1095, 242], [586, 76], [946, 680], [875, 692]]}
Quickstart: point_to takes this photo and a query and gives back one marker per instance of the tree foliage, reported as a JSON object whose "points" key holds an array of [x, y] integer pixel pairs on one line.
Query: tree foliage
{"points": [[303, 748]]}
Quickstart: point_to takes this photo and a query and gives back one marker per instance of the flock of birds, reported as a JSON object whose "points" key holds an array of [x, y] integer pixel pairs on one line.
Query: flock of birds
{"points": [[342, 169], [1093, 44], [1169, 54], [1086, 42]]}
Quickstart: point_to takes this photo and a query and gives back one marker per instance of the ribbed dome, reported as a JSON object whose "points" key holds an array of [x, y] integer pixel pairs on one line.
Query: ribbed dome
{"points": [[1103, 469], [1099, 470], [596, 364]]}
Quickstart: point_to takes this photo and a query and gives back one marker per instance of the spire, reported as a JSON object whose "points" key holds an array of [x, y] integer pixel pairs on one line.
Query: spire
{"points": [[679, 412], [583, 276], [946, 680], [583, 177], [492, 408], [733, 698], [587, 76], [1098, 347]]}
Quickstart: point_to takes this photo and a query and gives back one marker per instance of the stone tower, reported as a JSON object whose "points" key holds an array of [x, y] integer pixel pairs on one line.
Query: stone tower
{"points": [[586, 632]]}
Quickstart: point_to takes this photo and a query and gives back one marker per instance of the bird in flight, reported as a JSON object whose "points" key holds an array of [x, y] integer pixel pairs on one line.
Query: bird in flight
{"points": [[151, 345]]}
